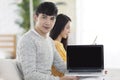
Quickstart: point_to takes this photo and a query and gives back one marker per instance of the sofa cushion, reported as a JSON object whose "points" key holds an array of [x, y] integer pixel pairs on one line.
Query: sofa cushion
{"points": [[9, 70]]}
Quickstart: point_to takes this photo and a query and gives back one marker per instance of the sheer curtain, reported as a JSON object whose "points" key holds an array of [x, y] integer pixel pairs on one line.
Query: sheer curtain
{"points": [[100, 18]]}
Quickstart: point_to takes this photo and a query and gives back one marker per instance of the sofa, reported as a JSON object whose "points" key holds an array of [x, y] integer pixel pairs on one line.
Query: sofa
{"points": [[9, 70]]}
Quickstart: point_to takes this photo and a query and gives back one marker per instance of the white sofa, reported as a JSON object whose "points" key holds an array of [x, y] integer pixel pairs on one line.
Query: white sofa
{"points": [[9, 70]]}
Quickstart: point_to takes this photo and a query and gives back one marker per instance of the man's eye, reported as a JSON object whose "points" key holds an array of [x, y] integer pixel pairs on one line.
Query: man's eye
{"points": [[53, 18], [44, 17]]}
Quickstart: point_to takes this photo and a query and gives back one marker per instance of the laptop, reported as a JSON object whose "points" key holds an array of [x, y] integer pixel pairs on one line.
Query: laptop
{"points": [[85, 60]]}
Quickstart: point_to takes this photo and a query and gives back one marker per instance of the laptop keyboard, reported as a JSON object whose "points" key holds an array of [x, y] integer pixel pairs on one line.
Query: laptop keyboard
{"points": [[85, 71]]}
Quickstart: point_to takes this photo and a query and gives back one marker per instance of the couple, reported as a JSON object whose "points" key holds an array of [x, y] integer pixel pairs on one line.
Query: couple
{"points": [[36, 51]]}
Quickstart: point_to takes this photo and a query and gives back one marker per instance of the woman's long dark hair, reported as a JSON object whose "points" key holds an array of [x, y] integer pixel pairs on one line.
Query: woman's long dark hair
{"points": [[60, 23]]}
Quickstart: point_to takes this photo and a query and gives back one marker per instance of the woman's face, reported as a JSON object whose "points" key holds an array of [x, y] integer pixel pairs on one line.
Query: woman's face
{"points": [[65, 32]]}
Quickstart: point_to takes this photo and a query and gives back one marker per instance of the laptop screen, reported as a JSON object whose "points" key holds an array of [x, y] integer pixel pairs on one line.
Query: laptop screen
{"points": [[80, 57]]}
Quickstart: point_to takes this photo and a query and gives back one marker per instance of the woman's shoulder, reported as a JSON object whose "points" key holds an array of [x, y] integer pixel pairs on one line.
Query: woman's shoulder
{"points": [[58, 43]]}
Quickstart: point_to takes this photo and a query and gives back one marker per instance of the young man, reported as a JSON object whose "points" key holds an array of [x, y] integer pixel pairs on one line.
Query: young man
{"points": [[36, 52]]}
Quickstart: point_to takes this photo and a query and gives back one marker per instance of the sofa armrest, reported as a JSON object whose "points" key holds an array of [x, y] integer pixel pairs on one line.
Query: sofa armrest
{"points": [[9, 70]]}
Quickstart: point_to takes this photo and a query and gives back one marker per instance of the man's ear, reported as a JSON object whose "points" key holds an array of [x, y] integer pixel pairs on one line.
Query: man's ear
{"points": [[35, 17]]}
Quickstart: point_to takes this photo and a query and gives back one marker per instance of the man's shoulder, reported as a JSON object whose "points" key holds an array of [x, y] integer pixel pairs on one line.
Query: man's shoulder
{"points": [[51, 40], [27, 36]]}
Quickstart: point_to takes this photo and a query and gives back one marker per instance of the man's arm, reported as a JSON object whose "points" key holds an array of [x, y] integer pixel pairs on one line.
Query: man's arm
{"points": [[58, 61], [27, 59]]}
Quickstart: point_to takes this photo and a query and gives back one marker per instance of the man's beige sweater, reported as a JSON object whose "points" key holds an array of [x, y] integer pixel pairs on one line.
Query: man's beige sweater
{"points": [[36, 55]]}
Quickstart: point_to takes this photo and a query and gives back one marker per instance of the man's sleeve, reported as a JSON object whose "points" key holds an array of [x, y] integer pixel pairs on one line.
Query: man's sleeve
{"points": [[27, 59], [58, 62]]}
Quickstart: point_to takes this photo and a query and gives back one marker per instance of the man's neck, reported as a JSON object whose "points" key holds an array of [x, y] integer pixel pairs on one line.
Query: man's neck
{"points": [[40, 33]]}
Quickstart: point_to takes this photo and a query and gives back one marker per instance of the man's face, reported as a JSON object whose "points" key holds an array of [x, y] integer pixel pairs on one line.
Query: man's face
{"points": [[44, 23]]}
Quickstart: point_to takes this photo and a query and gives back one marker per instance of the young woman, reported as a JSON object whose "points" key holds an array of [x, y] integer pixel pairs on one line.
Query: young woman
{"points": [[59, 34]]}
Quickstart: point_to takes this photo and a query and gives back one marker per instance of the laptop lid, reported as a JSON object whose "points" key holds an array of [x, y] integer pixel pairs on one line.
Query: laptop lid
{"points": [[85, 57]]}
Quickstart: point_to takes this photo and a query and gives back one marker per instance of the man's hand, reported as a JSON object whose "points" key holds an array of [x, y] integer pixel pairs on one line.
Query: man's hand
{"points": [[70, 78]]}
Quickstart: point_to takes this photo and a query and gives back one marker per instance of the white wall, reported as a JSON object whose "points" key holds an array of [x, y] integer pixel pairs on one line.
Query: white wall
{"points": [[100, 18], [8, 15]]}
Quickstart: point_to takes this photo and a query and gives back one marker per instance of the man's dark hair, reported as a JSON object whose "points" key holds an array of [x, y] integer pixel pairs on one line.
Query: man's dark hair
{"points": [[47, 8]]}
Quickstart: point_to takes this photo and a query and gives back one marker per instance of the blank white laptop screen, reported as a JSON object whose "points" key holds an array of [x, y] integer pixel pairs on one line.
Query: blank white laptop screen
{"points": [[85, 58]]}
